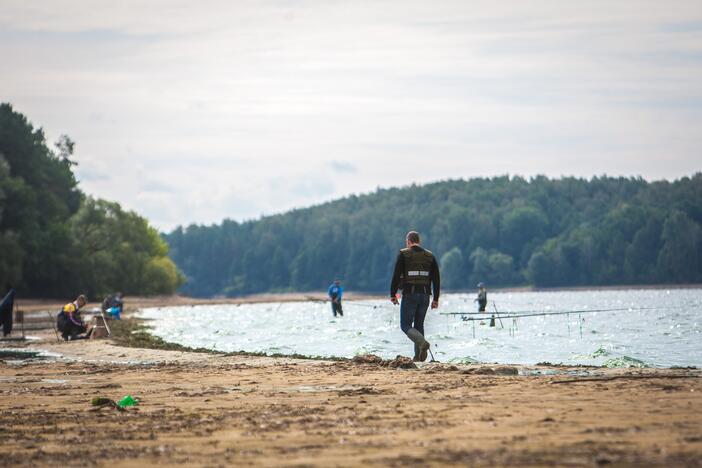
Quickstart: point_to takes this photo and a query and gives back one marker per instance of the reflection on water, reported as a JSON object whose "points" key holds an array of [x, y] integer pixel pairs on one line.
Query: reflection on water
{"points": [[669, 336]]}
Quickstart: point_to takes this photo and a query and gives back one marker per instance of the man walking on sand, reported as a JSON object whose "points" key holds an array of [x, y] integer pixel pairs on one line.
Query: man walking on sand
{"points": [[416, 267]]}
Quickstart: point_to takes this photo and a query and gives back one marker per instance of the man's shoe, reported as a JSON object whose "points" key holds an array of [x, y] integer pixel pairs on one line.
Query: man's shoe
{"points": [[420, 342], [423, 350]]}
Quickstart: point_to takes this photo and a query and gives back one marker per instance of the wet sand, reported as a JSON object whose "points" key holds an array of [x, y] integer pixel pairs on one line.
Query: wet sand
{"points": [[215, 410]]}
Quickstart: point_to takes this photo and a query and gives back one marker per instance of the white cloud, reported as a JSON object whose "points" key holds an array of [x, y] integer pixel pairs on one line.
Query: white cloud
{"points": [[197, 112], [343, 167]]}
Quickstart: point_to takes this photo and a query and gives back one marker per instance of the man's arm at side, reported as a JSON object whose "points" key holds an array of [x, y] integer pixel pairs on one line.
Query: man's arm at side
{"points": [[436, 284], [399, 266]]}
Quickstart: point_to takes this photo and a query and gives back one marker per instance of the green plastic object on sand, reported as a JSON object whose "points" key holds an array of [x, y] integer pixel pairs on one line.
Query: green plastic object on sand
{"points": [[128, 401]]}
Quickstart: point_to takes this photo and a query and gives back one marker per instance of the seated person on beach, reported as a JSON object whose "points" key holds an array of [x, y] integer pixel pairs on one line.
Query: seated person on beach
{"points": [[113, 305], [69, 321]]}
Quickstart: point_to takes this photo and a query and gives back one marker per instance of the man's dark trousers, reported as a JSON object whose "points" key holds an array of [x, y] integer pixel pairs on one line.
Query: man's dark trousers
{"points": [[413, 309], [336, 308]]}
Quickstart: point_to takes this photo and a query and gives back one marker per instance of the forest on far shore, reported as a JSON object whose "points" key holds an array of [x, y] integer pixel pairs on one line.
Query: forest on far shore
{"points": [[504, 231]]}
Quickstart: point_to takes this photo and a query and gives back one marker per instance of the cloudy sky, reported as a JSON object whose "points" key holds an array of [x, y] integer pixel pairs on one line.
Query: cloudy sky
{"points": [[196, 111]]}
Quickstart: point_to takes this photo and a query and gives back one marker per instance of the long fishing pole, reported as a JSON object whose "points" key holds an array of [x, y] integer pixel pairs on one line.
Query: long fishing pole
{"points": [[360, 304], [563, 312], [533, 313], [349, 302], [543, 314]]}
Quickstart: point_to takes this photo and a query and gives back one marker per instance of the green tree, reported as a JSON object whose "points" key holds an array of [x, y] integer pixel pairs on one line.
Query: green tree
{"points": [[492, 267], [11, 252], [54, 241], [521, 229], [118, 250], [453, 271], [642, 253], [679, 259], [41, 195]]}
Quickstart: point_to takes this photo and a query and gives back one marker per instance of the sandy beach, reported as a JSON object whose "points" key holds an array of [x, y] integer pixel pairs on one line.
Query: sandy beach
{"points": [[204, 409]]}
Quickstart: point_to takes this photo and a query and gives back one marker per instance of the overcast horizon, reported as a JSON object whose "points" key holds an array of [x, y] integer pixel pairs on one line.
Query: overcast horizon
{"points": [[196, 113]]}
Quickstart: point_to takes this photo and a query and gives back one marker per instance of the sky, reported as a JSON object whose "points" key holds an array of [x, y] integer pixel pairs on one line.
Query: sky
{"points": [[192, 112]]}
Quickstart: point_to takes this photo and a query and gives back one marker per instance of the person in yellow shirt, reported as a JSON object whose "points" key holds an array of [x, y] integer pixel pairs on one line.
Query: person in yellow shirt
{"points": [[69, 321]]}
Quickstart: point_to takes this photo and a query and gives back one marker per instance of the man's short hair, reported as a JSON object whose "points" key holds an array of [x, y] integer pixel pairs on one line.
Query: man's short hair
{"points": [[82, 298], [413, 237]]}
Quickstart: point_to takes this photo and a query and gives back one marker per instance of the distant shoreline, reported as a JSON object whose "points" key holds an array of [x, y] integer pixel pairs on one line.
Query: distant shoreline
{"points": [[133, 303], [619, 287]]}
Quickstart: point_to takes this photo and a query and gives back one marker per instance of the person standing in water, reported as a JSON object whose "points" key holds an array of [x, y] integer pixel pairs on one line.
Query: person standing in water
{"points": [[335, 292], [482, 297], [482, 301], [418, 270]]}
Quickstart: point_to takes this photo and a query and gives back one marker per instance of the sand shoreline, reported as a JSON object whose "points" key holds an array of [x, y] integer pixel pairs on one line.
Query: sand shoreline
{"points": [[208, 409]]}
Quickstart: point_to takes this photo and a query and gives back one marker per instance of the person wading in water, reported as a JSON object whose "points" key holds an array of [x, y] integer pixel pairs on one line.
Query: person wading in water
{"points": [[482, 297], [482, 301], [335, 292], [418, 270]]}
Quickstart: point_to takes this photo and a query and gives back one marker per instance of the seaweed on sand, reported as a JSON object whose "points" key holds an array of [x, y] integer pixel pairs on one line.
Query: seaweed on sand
{"points": [[136, 333]]}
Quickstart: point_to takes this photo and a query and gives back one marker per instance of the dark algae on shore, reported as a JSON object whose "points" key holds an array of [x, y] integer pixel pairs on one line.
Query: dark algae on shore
{"points": [[136, 333]]}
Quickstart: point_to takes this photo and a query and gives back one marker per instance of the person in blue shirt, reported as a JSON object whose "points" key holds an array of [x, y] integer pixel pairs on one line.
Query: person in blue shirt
{"points": [[335, 292], [113, 305]]}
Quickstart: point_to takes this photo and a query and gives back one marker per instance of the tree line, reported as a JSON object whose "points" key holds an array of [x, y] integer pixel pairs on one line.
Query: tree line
{"points": [[505, 231], [55, 241]]}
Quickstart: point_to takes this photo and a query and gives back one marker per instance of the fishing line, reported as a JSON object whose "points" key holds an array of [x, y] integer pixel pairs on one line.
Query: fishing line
{"points": [[360, 304]]}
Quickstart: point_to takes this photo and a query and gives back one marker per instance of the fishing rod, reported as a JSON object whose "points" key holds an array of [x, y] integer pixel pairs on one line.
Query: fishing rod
{"points": [[534, 313], [360, 304], [561, 312], [348, 302]]}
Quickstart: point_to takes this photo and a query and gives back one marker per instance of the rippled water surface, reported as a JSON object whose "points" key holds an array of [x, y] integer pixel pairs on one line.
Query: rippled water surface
{"points": [[667, 333]]}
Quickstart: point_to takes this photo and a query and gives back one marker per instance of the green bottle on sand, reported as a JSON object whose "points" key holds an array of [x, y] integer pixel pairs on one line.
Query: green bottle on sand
{"points": [[128, 401]]}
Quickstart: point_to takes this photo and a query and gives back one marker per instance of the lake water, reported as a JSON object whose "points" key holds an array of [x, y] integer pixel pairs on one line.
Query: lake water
{"points": [[667, 333]]}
